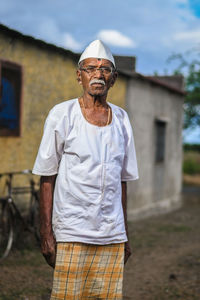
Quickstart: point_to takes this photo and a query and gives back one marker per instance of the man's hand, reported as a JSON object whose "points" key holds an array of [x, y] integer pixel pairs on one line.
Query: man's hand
{"points": [[48, 243], [127, 248], [127, 252], [48, 248]]}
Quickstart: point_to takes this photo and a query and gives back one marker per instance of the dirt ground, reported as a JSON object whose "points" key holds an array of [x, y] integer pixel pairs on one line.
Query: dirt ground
{"points": [[165, 263]]}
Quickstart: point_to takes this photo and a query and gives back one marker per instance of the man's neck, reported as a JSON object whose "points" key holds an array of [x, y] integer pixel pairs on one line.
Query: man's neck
{"points": [[91, 101]]}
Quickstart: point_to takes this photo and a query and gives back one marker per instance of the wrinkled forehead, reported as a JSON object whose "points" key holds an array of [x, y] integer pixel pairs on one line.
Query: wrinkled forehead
{"points": [[96, 62]]}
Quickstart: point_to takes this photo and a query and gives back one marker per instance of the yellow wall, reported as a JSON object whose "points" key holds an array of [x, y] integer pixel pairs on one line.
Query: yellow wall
{"points": [[48, 78]]}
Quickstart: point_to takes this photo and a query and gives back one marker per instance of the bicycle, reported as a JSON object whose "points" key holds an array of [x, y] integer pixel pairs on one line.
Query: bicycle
{"points": [[10, 213]]}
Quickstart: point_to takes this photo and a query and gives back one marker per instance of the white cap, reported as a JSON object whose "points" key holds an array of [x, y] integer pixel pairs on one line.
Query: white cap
{"points": [[97, 49]]}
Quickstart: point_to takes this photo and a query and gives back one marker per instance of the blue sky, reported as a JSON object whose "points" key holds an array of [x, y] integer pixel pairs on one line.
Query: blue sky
{"points": [[195, 7], [151, 30]]}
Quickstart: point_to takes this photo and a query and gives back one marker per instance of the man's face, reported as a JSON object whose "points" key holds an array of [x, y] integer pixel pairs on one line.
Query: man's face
{"points": [[94, 76]]}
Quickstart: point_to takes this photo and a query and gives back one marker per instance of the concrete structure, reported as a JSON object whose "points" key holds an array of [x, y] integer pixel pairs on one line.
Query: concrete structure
{"points": [[155, 110], [154, 105]]}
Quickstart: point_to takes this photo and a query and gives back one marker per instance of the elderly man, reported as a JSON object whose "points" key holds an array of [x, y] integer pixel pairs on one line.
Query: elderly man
{"points": [[85, 158]]}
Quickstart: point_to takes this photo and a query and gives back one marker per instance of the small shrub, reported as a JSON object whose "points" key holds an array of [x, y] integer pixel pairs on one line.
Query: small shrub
{"points": [[191, 163], [190, 167], [191, 147]]}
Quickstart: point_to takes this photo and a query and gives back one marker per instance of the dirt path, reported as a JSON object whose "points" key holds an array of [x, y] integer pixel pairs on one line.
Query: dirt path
{"points": [[166, 259], [165, 263]]}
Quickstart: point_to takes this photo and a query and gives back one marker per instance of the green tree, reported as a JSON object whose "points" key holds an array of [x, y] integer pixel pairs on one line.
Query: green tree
{"points": [[191, 71]]}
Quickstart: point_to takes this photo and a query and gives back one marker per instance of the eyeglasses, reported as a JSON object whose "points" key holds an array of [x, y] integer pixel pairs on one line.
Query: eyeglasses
{"points": [[92, 70]]}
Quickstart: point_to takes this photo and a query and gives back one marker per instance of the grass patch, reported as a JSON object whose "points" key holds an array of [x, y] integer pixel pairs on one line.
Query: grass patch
{"points": [[168, 228], [141, 240], [191, 163]]}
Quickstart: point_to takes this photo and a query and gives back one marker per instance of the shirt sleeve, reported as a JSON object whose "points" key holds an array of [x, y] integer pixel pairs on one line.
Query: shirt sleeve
{"points": [[129, 169], [51, 148]]}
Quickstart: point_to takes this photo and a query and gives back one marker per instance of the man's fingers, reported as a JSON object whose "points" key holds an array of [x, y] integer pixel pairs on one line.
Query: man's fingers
{"points": [[48, 246], [127, 254], [48, 249], [50, 258]]}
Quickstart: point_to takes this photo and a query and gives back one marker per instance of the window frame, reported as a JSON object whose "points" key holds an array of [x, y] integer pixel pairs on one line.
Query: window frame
{"points": [[19, 68], [160, 158]]}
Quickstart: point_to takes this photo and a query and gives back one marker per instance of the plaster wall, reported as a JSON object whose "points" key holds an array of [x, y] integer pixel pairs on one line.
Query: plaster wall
{"points": [[49, 77], [158, 188]]}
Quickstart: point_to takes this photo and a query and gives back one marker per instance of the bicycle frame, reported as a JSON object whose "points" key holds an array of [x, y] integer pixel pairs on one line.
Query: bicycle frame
{"points": [[16, 190], [12, 209]]}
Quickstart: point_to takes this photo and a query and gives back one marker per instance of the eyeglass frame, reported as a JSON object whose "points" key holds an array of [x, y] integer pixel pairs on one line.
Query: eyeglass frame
{"points": [[99, 69]]}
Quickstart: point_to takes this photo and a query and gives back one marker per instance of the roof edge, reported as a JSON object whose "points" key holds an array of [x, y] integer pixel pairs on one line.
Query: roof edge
{"points": [[153, 81], [131, 74], [43, 44]]}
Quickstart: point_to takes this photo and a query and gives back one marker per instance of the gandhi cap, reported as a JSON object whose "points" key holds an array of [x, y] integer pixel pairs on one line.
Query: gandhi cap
{"points": [[97, 49]]}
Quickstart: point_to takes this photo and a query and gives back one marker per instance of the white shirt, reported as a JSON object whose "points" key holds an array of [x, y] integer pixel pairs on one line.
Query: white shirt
{"points": [[90, 163]]}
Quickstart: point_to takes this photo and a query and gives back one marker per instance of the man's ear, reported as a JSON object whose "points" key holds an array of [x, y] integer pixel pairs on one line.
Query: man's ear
{"points": [[114, 78], [78, 73]]}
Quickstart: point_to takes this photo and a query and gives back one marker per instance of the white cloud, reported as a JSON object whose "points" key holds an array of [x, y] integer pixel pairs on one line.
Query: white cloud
{"points": [[150, 31], [193, 35], [116, 38], [49, 30], [70, 43]]}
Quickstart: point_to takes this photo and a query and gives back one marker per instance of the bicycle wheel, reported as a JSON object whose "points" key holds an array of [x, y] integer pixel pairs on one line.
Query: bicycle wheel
{"points": [[6, 229], [35, 218]]}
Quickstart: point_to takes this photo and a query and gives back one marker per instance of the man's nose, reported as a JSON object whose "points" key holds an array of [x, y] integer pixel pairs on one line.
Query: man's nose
{"points": [[99, 73]]}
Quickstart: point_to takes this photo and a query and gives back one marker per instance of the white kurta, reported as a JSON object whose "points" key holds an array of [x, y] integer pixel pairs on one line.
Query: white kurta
{"points": [[90, 163]]}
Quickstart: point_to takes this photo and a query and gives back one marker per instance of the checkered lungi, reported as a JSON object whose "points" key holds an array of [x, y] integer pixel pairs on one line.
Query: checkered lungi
{"points": [[86, 271]]}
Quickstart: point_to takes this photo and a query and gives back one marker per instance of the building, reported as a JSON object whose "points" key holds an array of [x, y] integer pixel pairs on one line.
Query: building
{"points": [[155, 108], [36, 75]]}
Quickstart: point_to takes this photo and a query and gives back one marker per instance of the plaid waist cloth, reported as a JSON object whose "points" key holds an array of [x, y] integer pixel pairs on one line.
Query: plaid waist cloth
{"points": [[86, 271]]}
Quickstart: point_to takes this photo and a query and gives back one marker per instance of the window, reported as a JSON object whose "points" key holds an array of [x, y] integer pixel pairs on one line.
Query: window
{"points": [[10, 98], [160, 140]]}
